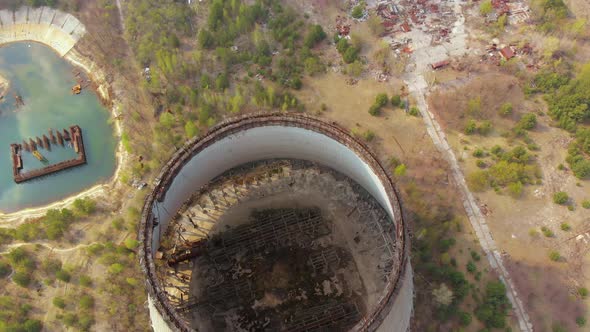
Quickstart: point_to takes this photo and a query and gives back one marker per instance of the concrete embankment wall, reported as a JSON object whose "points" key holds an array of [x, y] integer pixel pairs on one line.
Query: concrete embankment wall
{"points": [[60, 31]]}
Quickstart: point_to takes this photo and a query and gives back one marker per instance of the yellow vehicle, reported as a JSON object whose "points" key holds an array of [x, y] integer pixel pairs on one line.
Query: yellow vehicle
{"points": [[39, 156]]}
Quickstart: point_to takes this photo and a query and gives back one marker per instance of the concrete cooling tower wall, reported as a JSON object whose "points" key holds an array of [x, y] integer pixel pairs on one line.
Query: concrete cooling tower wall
{"points": [[60, 31], [266, 136]]}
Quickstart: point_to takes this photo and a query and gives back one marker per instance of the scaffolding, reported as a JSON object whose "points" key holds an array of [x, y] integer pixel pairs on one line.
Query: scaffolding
{"points": [[273, 229], [324, 260], [324, 317]]}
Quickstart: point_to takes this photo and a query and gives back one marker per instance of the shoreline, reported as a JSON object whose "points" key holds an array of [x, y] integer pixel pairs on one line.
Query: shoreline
{"points": [[98, 77]]}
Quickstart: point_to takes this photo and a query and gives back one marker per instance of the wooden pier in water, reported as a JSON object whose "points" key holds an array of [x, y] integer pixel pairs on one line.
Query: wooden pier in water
{"points": [[74, 135]]}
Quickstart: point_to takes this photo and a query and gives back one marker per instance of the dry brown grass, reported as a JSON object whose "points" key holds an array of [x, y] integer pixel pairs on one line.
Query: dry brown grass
{"points": [[450, 105]]}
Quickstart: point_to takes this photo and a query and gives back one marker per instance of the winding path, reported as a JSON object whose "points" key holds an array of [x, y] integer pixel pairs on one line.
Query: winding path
{"points": [[418, 87], [11, 246]]}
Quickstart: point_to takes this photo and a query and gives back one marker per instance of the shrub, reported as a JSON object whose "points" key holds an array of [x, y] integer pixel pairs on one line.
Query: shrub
{"points": [[59, 302], [63, 276], [505, 109], [396, 100], [190, 129], [86, 302], [350, 55], [560, 198], [69, 319], [314, 36], [485, 7], [528, 121], [414, 111], [478, 153], [471, 268], [21, 278], [515, 189], [558, 328], [400, 170], [581, 321], [131, 244], [554, 256], [446, 244], [368, 135], [547, 232], [116, 268], [4, 269], [132, 281], [480, 163], [565, 226], [86, 321], [485, 128], [583, 292], [586, 204], [85, 281], [358, 11], [381, 100], [374, 110], [32, 325], [478, 180], [476, 257], [464, 318], [470, 127]]}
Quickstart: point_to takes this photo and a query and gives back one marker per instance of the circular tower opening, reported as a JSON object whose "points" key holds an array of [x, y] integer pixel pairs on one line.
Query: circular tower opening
{"points": [[275, 222]]}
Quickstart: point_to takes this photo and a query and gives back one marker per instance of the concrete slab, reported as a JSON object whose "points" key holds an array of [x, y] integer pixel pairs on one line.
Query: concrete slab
{"points": [[6, 16], [45, 25], [20, 16], [70, 24], [35, 15], [47, 15], [59, 20]]}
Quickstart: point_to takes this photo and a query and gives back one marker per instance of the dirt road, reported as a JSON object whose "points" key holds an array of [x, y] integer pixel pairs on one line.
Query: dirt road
{"points": [[419, 89]]}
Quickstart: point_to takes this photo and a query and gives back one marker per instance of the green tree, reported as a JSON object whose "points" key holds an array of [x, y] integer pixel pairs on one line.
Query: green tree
{"points": [[167, 120], [314, 36], [494, 307], [190, 129], [85, 206]]}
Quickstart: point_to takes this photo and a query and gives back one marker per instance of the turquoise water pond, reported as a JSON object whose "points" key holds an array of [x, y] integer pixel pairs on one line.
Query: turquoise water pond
{"points": [[44, 80]]}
